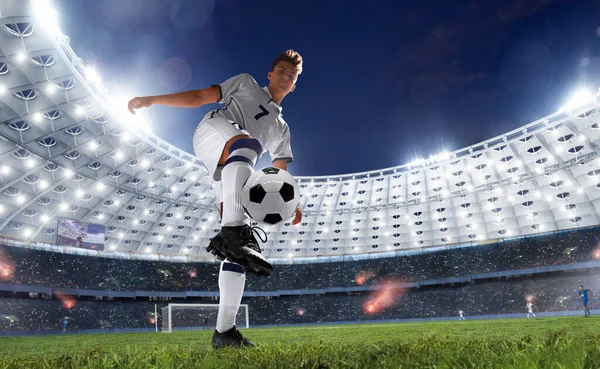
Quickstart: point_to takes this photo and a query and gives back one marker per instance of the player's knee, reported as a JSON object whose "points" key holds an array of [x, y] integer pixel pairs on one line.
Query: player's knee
{"points": [[246, 150]]}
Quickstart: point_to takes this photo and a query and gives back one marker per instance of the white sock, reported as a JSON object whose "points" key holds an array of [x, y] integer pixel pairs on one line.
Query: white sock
{"points": [[232, 280], [234, 176], [237, 169]]}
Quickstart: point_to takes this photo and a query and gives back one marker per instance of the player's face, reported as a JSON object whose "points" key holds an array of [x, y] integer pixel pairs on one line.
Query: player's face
{"points": [[284, 77], [580, 288]]}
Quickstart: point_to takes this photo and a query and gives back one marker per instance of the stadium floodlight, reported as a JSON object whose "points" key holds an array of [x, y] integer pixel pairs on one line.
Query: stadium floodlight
{"points": [[92, 76], [37, 117], [30, 163], [64, 206], [68, 173], [21, 199], [195, 238], [43, 184], [577, 100], [50, 89], [21, 57], [2, 89], [79, 192], [117, 203], [45, 218], [27, 232], [169, 228], [79, 111], [193, 178]]}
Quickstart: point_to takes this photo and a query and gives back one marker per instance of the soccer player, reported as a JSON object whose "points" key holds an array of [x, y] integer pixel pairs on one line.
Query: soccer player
{"points": [[461, 315], [530, 307], [229, 141], [583, 295], [206, 317], [63, 323]]}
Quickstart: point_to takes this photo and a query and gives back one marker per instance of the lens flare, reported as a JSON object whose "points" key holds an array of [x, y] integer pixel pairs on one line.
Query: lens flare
{"points": [[384, 297], [68, 301], [193, 273], [301, 312], [363, 277], [529, 298], [7, 268]]}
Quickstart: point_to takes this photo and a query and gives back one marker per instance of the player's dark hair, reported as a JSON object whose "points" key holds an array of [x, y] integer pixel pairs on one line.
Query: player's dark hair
{"points": [[580, 285], [289, 56]]}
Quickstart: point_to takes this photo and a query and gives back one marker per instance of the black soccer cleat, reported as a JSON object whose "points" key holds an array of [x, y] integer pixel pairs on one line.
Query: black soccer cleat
{"points": [[238, 245], [230, 338], [216, 244]]}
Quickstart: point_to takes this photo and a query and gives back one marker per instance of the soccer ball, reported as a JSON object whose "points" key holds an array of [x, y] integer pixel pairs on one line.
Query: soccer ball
{"points": [[270, 195]]}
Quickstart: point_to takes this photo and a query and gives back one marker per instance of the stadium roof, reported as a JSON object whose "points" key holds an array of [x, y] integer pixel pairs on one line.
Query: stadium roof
{"points": [[68, 149]]}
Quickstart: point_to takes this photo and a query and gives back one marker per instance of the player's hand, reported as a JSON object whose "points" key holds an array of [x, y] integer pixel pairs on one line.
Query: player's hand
{"points": [[139, 102], [298, 217]]}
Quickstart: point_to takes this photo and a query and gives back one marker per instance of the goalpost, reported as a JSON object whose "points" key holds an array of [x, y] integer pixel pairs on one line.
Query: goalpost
{"points": [[192, 316]]}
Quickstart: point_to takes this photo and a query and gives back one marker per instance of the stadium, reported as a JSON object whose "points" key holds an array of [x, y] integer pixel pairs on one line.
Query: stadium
{"points": [[104, 228]]}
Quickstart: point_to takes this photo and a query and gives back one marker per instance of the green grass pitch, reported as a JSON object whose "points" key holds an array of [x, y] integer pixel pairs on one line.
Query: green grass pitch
{"points": [[571, 342]]}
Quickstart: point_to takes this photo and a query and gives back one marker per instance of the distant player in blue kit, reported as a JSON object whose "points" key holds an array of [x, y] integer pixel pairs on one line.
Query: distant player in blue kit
{"points": [[63, 323], [583, 295], [229, 141]]}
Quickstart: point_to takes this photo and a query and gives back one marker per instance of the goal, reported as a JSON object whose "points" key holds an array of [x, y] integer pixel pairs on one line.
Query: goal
{"points": [[192, 316]]}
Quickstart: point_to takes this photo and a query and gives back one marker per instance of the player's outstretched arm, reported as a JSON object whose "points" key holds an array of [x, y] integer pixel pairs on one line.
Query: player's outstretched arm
{"points": [[186, 99]]}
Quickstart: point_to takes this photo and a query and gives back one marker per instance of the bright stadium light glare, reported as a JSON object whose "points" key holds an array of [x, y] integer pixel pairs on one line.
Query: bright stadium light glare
{"points": [[169, 229], [21, 199], [117, 203], [51, 89], [121, 235], [37, 117], [63, 206], [118, 154], [21, 57], [146, 211], [2, 89], [79, 111], [43, 184], [145, 162], [68, 173], [193, 178], [92, 76], [30, 163], [27, 232], [79, 192], [577, 100], [195, 238], [45, 218], [100, 216]]}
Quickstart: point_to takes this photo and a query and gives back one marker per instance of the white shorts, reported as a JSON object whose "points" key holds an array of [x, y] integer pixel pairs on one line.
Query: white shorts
{"points": [[210, 139]]}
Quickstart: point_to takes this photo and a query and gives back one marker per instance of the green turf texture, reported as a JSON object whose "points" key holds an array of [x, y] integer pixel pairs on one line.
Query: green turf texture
{"points": [[570, 342]]}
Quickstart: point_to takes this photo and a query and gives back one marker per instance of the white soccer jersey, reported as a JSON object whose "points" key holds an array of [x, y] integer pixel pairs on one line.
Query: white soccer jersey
{"points": [[252, 108], [530, 307]]}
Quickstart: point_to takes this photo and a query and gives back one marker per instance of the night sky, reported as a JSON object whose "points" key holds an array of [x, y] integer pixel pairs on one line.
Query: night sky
{"points": [[383, 82]]}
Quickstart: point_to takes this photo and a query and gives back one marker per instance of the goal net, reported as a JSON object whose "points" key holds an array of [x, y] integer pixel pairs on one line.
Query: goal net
{"points": [[198, 316]]}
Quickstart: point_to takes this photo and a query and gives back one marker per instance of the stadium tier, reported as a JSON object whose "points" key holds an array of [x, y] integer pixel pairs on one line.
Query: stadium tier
{"points": [[93, 202], [32, 267]]}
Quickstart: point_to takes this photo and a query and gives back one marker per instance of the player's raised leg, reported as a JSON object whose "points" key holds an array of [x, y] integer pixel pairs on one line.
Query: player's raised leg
{"points": [[236, 241]]}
